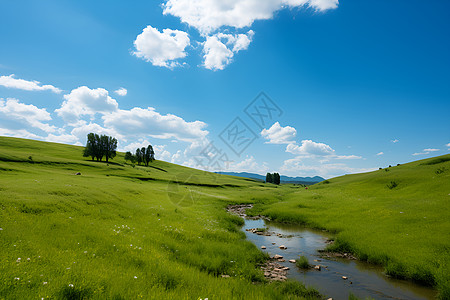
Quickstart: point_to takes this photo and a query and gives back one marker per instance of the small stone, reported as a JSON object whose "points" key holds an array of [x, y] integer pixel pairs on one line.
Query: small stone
{"points": [[225, 276], [277, 256], [317, 267], [78, 173], [263, 247], [283, 247], [292, 261], [273, 243], [344, 277], [281, 260]]}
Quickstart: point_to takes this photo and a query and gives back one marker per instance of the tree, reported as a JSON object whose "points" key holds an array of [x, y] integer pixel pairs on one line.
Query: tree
{"points": [[269, 178], [138, 156], [91, 145], [149, 155], [129, 156], [276, 178], [108, 146]]}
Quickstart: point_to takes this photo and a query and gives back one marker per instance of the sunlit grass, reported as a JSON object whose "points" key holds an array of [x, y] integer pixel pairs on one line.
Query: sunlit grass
{"points": [[403, 226], [118, 232]]}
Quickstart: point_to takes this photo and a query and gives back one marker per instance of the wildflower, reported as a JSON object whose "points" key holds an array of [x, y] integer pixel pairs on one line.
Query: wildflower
{"points": [[85, 252], [45, 282], [70, 285], [28, 259], [1, 229], [16, 278], [135, 277]]}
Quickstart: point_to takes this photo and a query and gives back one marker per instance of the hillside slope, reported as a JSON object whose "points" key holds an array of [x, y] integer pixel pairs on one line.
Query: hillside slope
{"points": [[123, 232], [398, 217]]}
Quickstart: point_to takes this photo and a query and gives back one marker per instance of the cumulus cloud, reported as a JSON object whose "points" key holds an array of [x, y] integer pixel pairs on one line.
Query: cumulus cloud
{"points": [[138, 121], [161, 48], [380, 153], [249, 164], [22, 84], [63, 139], [84, 101], [430, 150], [220, 48], [395, 141], [448, 145], [309, 147], [121, 92], [279, 135], [209, 15], [21, 117]]}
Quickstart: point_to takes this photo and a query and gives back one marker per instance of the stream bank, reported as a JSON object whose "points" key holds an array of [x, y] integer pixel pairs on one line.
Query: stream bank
{"points": [[335, 275]]}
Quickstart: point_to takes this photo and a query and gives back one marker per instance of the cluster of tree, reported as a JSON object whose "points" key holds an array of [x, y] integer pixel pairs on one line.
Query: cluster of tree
{"points": [[98, 147], [273, 178], [143, 155]]}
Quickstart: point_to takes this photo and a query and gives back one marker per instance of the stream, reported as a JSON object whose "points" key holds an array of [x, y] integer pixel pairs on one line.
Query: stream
{"points": [[364, 280]]}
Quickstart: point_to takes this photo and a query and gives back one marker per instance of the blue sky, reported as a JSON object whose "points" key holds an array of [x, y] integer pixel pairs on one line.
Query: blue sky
{"points": [[359, 84]]}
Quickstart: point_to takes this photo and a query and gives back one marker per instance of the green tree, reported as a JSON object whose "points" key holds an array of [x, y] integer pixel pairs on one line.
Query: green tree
{"points": [[276, 178], [149, 155], [91, 145], [129, 156], [108, 146], [269, 178], [138, 156]]}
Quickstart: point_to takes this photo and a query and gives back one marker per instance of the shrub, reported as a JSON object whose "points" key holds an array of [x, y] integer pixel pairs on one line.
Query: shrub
{"points": [[440, 170], [302, 262], [392, 185]]}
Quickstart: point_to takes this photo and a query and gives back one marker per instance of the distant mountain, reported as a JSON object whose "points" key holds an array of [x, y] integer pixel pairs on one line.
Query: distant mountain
{"points": [[284, 179]]}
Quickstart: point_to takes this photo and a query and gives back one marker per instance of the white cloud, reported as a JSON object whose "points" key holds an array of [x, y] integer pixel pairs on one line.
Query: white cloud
{"points": [[63, 139], [425, 151], [17, 116], [161, 153], [380, 153], [448, 145], [395, 141], [309, 147], [84, 101], [299, 167], [347, 157], [249, 164], [139, 121], [220, 48], [210, 15], [82, 129], [279, 135], [22, 84], [161, 48], [121, 92]]}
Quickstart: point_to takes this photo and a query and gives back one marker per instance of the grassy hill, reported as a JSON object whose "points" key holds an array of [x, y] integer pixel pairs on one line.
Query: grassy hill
{"points": [[123, 232], [398, 217]]}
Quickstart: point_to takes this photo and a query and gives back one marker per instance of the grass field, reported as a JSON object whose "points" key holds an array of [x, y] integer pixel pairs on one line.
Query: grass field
{"points": [[123, 232], [398, 217]]}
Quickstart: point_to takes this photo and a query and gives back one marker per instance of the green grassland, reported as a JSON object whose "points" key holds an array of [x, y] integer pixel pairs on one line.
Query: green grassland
{"points": [[123, 232], [398, 217]]}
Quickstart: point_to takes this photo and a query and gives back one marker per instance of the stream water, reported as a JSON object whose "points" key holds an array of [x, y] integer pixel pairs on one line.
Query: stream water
{"points": [[364, 280]]}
